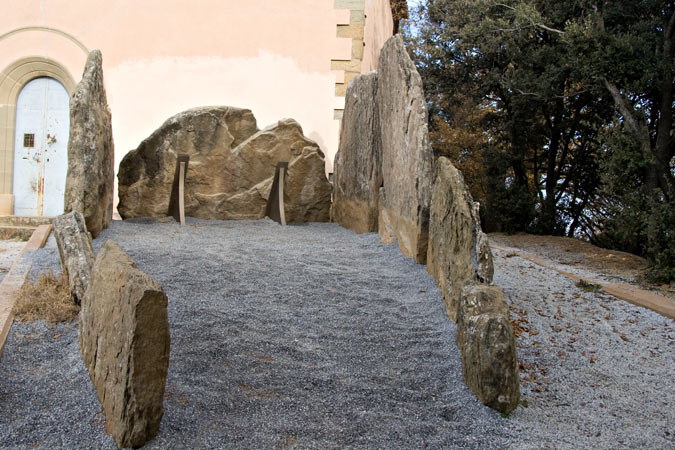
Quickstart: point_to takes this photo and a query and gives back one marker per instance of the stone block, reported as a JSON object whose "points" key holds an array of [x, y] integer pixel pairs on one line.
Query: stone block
{"points": [[232, 166], [349, 4], [91, 154], [407, 158], [486, 343], [458, 251], [357, 168], [357, 49], [76, 252], [352, 31], [340, 89], [124, 341]]}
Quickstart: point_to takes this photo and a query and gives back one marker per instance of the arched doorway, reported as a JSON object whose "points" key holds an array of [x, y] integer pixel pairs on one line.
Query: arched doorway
{"points": [[41, 148]]}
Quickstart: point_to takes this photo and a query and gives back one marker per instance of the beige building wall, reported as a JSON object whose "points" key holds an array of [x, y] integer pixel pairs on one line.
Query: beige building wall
{"points": [[281, 58]]}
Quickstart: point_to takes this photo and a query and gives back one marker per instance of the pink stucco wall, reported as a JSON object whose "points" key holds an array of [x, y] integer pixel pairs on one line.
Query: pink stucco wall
{"points": [[164, 56], [379, 28]]}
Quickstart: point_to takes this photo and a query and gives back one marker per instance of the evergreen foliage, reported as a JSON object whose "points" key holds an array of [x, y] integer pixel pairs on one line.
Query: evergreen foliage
{"points": [[560, 114]]}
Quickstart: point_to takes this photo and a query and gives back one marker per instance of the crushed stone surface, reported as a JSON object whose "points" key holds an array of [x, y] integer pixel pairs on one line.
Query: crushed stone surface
{"points": [[308, 336], [9, 252], [596, 372], [311, 336]]}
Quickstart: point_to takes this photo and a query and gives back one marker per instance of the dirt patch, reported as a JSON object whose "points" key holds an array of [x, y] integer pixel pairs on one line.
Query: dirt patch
{"points": [[578, 254], [570, 251]]}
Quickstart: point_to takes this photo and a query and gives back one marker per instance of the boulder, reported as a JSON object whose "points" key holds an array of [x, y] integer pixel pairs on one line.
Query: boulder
{"points": [[458, 250], [486, 343], [306, 202], [91, 154], [407, 158], [76, 252], [358, 162], [231, 168], [124, 341]]}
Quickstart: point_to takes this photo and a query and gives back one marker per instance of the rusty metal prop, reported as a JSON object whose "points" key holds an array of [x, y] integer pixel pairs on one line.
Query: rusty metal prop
{"points": [[275, 202], [177, 199]]}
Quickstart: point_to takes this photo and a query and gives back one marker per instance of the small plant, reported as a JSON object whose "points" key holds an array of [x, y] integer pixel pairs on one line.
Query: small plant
{"points": [[588, 287], [47, 299]]}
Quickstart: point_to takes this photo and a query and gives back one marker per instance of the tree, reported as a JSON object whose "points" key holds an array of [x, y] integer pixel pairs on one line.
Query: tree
{"points": [[536, 121], [566, 112], [632, 55]]}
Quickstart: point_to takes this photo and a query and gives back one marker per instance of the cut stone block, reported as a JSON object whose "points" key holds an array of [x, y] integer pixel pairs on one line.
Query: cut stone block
{"points": [[124, 341]]}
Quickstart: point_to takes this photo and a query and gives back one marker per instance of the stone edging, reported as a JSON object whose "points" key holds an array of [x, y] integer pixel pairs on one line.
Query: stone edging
{"points": [[14, 280]]}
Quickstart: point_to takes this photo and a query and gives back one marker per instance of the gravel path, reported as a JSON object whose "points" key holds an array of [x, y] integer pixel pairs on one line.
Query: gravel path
{"points": [[596, 372], [314, 337], [307, 336]]}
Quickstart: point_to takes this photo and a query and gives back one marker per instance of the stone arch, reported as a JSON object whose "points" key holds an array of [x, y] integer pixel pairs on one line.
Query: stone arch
{"points": [[12, 79], [56, 31]]}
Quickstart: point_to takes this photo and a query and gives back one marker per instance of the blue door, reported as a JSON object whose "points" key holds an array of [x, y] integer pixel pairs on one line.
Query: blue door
{"points": [[41, 148]]}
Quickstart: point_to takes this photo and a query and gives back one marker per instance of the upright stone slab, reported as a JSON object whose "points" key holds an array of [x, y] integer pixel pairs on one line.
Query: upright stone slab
{"points": [[91, 154], [485, 340], [458, 250], [232, 166], [358, 162], [407, 158], [76, 252], [124, 341]]}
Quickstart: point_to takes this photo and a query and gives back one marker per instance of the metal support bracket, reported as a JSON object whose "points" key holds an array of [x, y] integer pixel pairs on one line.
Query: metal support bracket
{"points": [[275, 202], [177, 199]]}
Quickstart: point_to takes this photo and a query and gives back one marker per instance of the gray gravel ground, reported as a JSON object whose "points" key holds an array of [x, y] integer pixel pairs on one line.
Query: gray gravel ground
{"points": [[305, 336], [596, 372], [314, 337]]}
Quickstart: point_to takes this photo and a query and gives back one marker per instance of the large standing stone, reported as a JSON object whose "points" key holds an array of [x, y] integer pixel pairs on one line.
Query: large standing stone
{"points": [[407, 158], [232, 166], [91, 154], [124, 341], [485, 340], [76, 252], [458, 249], [358, 161]]}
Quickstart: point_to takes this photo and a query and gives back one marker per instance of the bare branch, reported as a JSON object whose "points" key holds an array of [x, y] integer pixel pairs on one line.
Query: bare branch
{"points": [[539, 25], [527, 93], [505, 6], [625, 110], [552, 30]]}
